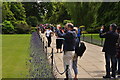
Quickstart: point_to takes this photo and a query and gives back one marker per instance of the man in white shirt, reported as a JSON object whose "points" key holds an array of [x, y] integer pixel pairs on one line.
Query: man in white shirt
{"points": [[48, 35]]}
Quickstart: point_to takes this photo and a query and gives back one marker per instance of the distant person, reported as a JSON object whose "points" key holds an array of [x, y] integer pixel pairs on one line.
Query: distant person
{"points": [[69, 47], [110, 49], [118, 50], [52, 28], [43, 29], [79, 34], [48, 35], [59, 40], [75, 59]]}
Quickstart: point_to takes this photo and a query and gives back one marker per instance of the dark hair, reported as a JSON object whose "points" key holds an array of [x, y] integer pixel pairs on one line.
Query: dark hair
{"points": [[118, 28], [70, 26], [114, 26], [49, 27]]}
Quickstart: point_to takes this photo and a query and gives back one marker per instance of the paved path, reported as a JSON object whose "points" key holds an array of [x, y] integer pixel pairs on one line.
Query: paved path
{"points": [[91, 65]]}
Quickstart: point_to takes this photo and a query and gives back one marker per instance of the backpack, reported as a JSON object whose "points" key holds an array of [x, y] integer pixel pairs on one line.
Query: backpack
{"points": [[79, 50]]}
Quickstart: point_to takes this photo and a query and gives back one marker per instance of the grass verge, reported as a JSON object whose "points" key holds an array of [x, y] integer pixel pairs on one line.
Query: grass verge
{"points": [[15, 52]]}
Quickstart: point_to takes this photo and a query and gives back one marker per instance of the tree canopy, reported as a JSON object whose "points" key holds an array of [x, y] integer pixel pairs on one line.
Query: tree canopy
{"points": [[90, 14]]}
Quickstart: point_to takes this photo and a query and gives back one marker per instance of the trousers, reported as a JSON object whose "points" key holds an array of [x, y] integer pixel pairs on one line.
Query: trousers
{"points": [[68, 61]]}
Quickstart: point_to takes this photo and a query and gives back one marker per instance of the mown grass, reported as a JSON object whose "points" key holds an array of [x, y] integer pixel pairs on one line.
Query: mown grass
{"points": [[94, 36], [94, 39], [15, 52]]}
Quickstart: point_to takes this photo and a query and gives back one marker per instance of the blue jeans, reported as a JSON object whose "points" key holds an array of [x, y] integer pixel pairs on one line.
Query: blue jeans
{"points": [[75, 59], [109, 57]]}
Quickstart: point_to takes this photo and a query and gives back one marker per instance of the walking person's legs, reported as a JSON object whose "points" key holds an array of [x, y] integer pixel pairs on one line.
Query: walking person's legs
{"points": [[68, 60], [107, 59], [75, 59], [49, 41], [61, 42], [113, 61]]}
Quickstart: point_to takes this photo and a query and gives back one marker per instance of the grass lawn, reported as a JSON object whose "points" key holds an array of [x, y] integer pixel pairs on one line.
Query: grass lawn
{"points": [[94, 39], [94, 36], [15, 52]]}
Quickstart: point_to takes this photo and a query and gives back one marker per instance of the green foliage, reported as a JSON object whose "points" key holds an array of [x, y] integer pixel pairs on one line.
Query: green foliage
{"points": [[7, 27], [21, 27], [56, 13], [18, 10], [67, 21], [35, 9], [32, 20], [108, 13], [14, 12], [94, 14], [90, 14], [74, 10], [6, 12], [33, 29]]}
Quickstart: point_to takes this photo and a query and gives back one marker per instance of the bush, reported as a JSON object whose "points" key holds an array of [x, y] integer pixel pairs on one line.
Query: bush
{"points": [[21, 27], [7, 27], [84, 32], [33, 29], [67, 21], [32, 20]]}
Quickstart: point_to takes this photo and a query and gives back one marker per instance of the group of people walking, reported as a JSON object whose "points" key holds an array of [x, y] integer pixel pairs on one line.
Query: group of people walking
{"points": [[69, 36]]}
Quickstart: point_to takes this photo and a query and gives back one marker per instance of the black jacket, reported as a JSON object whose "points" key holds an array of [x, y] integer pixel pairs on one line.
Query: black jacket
{"points": [[110, 42]]}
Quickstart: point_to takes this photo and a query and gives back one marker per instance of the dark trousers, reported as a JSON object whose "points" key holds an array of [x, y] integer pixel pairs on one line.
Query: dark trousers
{"points": [[49, 41], [118, 65], [111, 58]]}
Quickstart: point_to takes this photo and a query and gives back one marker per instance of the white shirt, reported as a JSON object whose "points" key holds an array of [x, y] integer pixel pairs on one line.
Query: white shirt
{"points": [[48, 33]]}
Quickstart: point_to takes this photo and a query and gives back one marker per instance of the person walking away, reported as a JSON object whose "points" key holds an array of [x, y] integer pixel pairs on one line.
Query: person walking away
{"points": [[59, 40], [79, 34], [110, 49], [118, 51], [75, 59], [69, 47], [48, 35]]}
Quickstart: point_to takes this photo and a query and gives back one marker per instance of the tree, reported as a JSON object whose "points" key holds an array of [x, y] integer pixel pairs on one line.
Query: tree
{"points": [[32, 20], [108, 13], [7, 14], [18, 10], [35, 9]]}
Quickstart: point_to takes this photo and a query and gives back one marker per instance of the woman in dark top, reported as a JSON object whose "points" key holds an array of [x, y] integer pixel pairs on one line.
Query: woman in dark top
{"points": [[59, 40]]}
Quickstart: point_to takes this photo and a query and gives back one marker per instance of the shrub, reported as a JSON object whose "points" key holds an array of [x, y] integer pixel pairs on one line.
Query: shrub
{"points": [[84, 32], [67, 21], [21, 27], [32, 20], [7, 27], [33, 29]]}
